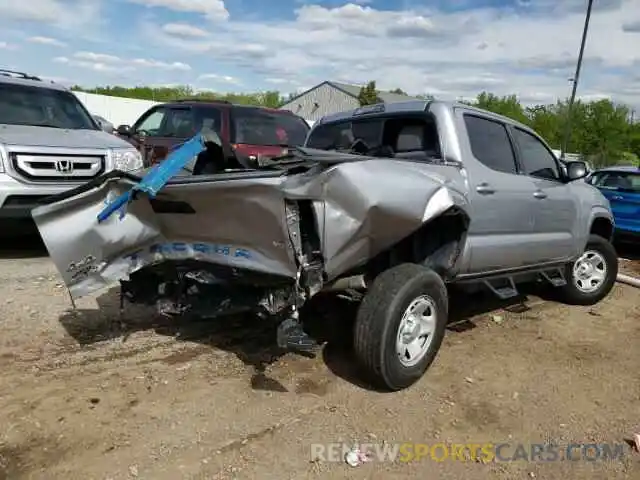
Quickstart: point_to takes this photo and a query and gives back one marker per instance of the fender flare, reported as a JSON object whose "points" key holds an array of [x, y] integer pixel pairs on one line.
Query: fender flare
{"points": [[600, 213]]}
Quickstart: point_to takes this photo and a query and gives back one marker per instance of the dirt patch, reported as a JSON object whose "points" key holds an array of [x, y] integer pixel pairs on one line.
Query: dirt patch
{"points": [[186, 355], [91, 396], [630, 267], [23, 460]]}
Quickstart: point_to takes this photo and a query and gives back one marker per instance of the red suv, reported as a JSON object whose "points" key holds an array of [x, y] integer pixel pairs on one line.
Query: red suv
{"points": [[251, 131]]}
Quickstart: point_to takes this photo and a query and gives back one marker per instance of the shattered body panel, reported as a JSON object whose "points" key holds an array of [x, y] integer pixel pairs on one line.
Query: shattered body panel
{"points": [[248, 221]]}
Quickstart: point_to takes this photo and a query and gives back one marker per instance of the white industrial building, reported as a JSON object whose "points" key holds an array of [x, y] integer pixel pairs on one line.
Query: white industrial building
{"points": [[117, 110], [332, 97]]}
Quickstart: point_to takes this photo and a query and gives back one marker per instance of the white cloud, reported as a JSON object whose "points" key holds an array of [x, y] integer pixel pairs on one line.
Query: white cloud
{"points": [[530, 50], [277, 81], [102, 62], [97, 57], [100, 67], [37, 10], [7, 46], [452, 54], [184, 30], [62, 13], [632, 26], [219, 78], [213, 9], [46, 41], [146, 63]]}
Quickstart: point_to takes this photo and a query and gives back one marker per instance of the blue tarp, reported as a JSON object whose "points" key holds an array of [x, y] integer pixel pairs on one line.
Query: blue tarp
{"points": [[158, 177]]}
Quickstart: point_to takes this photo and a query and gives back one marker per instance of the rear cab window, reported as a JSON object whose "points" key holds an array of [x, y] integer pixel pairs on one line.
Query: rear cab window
{"points": [[404, 136], [259, 126]]}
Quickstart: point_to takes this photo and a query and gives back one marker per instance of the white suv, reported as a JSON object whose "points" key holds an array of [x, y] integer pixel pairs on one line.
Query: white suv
{"points": [[49, 143]]}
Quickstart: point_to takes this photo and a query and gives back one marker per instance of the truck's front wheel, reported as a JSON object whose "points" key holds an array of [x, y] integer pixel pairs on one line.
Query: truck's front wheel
{"points": [[400, 325], [591, 277]]}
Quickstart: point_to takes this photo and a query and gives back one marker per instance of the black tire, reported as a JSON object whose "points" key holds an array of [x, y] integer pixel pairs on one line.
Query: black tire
{"points": [[379, 317], [572, 295]]}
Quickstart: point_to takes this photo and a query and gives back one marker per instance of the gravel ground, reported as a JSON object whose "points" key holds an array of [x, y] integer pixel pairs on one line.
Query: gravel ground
{"points": [[88, 395]]}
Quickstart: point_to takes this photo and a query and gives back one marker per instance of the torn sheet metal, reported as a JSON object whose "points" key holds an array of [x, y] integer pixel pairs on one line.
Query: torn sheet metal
{"points": [[361, 205], [158, 177]]}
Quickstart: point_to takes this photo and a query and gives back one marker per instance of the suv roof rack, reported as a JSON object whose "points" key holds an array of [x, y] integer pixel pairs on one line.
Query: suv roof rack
{"points": [[203, 100], [13, 73]]}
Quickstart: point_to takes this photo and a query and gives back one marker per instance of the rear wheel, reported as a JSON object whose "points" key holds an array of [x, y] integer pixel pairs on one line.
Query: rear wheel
{"points": [[400, 325], [592, 276]]}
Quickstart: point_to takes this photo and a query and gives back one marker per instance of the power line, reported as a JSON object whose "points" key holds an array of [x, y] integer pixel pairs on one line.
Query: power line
{"points": [[576, 77]]}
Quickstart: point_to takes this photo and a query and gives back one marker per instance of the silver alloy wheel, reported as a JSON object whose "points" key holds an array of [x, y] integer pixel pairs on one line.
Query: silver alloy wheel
{"points": [[416, 329], [589, 271]]}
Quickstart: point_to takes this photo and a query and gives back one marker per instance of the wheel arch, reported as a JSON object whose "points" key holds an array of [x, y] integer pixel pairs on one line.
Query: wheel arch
{"points": [[602, 225], [438, 244]]}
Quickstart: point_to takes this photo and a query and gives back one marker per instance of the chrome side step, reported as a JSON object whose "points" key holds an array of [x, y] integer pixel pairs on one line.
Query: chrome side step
{"points": [[555, 276]]}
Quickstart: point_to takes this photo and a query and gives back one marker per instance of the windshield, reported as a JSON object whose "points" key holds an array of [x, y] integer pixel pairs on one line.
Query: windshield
{"points": [[42, 107], [628, 181], [253, 126]]}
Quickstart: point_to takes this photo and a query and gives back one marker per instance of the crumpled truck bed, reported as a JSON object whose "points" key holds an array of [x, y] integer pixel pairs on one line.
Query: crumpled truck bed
{"points": [[360, 207]]}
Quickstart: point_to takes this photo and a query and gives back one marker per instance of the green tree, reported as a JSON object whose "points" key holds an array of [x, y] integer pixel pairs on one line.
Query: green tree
{"points": [[271, 99], [634, 139], [399, 91], [509, 106], [368, 94], [544, 119], [605, 133]]}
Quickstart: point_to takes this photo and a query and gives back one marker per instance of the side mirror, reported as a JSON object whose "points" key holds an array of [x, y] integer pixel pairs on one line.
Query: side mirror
{"points": [[576, 170], [124, 130]]}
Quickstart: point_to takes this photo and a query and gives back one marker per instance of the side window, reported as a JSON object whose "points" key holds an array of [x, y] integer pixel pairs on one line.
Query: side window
{"points": [[536, 160], [596, 179], [151, 123], [490, 143], [179, 123], [209, 118]]}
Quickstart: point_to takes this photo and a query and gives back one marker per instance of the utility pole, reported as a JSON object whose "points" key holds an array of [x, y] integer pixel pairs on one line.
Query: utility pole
{"points": [[576, 77]]}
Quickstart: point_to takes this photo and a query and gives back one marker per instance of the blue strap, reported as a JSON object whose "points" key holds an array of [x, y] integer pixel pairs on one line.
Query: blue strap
{"points": [[158, 177]]}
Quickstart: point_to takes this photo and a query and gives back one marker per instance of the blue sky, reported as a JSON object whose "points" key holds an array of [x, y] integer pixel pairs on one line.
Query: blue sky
{"points": [[450, 48]]}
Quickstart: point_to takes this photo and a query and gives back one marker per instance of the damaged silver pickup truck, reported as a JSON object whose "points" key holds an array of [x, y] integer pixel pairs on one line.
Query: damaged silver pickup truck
{"points": [[396, 200]]}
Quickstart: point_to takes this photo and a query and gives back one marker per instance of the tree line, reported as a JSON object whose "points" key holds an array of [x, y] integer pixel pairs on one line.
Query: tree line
{"points": [[604, 132]]}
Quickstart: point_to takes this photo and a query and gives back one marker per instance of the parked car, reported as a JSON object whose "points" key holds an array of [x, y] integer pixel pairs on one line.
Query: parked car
{"points": [[395, 200], [252, 132], [104, 124], [621, 186], [49, 143]]}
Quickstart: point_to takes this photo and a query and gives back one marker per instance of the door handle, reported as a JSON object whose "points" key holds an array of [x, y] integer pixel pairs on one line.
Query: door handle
{"points": [[485, 189], [616, 197], [539, 194]]}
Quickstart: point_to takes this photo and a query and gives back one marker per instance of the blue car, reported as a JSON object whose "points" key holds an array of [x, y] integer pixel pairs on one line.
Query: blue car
{"points": [[621, 186]]}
